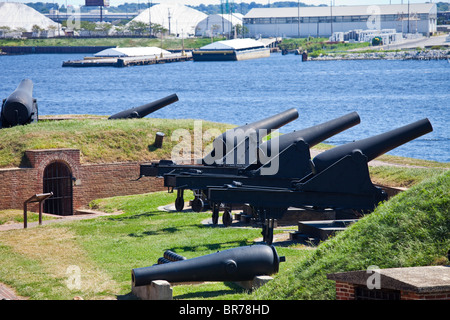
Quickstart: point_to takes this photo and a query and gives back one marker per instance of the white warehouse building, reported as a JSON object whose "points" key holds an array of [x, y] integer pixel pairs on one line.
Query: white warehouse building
{"points": [[323, 21], [215, 24]]}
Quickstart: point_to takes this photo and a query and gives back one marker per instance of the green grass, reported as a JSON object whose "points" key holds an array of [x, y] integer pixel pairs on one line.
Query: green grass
{"points": [[106, 249], [16, 216], [170, 44], [99, 140], [316, 46], [404, 177], [412, 229]]}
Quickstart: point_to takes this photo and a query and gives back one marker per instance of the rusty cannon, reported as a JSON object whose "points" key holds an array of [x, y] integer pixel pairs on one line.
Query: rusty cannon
{"points": [[339, 179], [236, 264], [243, 141], [146, 109], [280, 161], [20, 107]]}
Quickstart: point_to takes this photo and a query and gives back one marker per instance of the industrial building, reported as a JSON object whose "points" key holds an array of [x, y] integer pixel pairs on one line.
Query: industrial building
{"points": [[216, 24], [177, 19], [324, 21], [18, 16]]}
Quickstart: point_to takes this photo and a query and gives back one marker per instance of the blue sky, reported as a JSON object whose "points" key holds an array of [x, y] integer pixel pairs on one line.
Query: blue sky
{"points": [[197, 2]]}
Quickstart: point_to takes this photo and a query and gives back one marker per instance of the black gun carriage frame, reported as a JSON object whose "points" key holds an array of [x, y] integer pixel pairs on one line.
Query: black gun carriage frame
{"points": [[339, 179], [222, 158], [291, 157]]}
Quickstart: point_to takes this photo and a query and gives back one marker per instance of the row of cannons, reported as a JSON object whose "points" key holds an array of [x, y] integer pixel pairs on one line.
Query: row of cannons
{"points": [[20, 107], [274, 175], [268, 176]]}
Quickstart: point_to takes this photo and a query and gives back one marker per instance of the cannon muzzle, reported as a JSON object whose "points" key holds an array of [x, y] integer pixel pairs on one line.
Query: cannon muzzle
{"points": [[237, 264], [255, 131], [312, 135], [20, 107], [374, 146], [146, 109]]}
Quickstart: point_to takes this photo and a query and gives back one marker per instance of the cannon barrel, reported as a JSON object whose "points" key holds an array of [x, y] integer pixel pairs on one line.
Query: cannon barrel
{"points": [[19, 107], [313, 135], [230, 139], [375, 146], [236, 264], [146, 109]]}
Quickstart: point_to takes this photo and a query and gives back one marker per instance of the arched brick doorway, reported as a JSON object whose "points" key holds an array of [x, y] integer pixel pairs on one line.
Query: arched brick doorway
{"points": [[58, 179]]}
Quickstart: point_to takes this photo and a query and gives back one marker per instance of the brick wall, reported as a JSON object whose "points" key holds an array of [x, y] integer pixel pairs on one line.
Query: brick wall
{"points": [[345, 291], [114, 179], [90, 181], [425, 296]]}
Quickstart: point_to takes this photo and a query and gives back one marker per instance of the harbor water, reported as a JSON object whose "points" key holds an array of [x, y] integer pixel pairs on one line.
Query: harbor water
{"points": [[386, 93]]}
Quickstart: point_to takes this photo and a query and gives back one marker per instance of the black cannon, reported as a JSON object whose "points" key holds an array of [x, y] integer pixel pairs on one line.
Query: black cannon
{"points": [[237, 146], [339, 180], [281, 160], [20, 107], [236, 264], [146, 109], [243, 140]]}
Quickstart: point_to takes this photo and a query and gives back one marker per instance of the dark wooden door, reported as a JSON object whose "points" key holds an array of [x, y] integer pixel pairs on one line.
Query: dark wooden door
{"points": [[58, 179]]}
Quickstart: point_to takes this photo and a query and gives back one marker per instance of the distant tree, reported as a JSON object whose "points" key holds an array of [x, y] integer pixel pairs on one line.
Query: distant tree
{"points": [[138, 27], [36, 28], [241, 30], [158, 29]]}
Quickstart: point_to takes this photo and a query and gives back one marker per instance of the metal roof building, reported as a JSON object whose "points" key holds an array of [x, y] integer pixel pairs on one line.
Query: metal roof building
{"points": [[178, 19], [131, 52], [323, 21], [18, 15], [215, 24], [234, 44]]}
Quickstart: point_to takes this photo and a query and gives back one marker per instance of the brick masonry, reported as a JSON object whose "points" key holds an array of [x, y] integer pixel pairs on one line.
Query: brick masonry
{"points": [[91, 181], [346, 291]]}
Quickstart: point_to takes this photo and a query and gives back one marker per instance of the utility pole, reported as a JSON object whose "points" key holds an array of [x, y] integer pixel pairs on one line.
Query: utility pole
{"points": [[408, 16], [169, 17], [149, 19], [298, 16], [331, 11]]}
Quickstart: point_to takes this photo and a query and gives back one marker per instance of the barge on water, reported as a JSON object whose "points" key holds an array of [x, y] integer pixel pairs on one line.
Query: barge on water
{"points": [[232, 50], [124, 57]]}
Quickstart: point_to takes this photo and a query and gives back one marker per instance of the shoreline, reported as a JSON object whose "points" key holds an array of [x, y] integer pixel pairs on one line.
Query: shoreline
{"points": [[428, 54]]}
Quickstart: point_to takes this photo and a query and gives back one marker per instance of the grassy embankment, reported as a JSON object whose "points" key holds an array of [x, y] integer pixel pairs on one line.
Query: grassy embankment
{"points": [[99, 140], [314, 46], [171, 44], [411, 229]]}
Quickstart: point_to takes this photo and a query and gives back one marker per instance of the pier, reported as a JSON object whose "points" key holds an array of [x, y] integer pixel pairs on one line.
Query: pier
{"points": [[121, 62]]}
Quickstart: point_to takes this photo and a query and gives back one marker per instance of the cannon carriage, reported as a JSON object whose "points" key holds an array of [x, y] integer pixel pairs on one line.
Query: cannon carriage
{"points": [[339, 179]]}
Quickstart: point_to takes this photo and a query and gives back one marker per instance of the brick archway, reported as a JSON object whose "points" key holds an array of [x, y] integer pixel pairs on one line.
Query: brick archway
{"points": [[42, 159], [57, 178]]}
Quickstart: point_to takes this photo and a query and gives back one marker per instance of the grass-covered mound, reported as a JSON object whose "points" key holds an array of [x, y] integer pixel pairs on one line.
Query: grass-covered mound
{"points": [[412, 229], [170, 44], [99, 140]]}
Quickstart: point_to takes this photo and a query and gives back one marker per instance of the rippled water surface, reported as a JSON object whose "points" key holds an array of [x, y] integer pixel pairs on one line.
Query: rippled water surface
{"points": [[386, 94]]}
